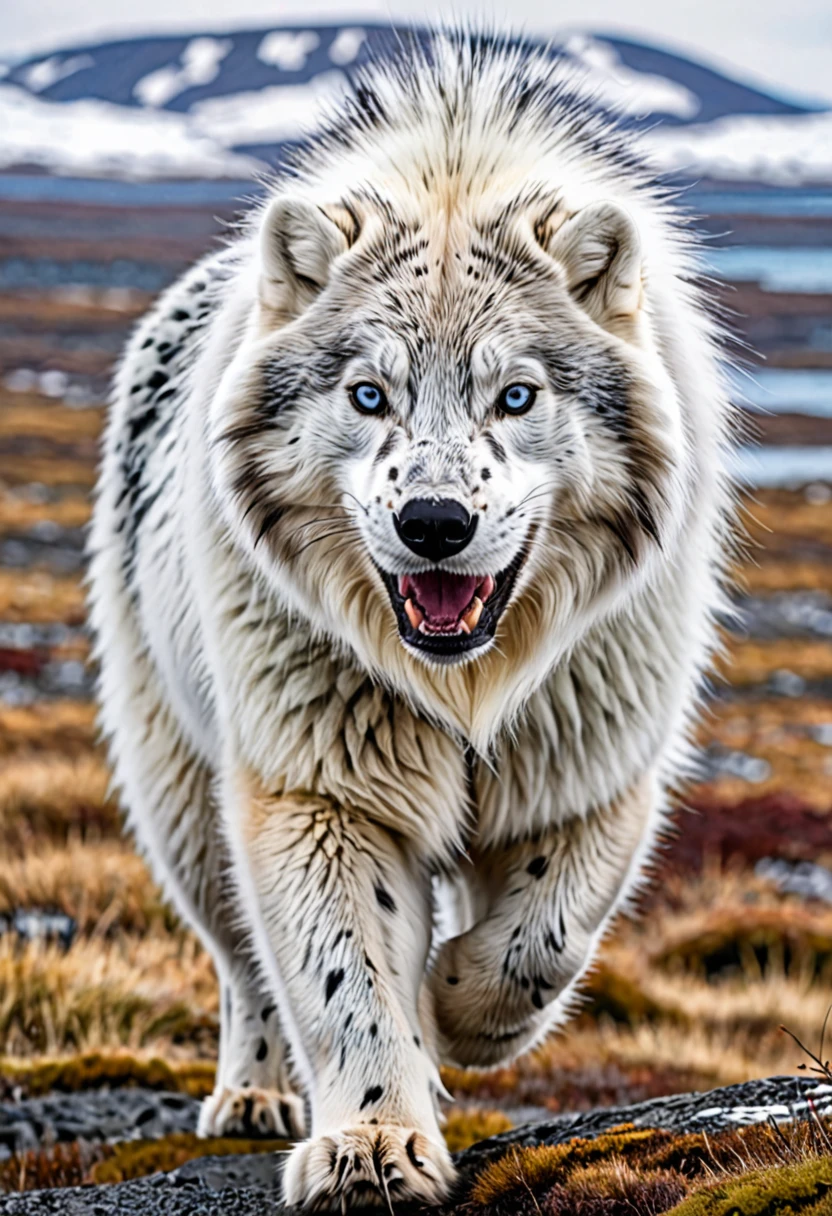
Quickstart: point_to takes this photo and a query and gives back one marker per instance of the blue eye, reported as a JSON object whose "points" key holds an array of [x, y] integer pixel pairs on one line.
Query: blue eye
{"points": [[516, 399], [368, 398]]}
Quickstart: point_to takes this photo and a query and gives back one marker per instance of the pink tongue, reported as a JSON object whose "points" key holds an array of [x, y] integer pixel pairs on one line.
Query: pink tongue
{"points": [[443, 596]]}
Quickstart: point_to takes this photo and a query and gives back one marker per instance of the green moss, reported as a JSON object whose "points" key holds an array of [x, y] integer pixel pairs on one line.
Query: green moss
{"points": [[94, 1069], [466, 1127], [620, 997], [785, 1190]]}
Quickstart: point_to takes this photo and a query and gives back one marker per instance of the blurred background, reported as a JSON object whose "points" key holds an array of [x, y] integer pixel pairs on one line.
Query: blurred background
{"points": [[127, 143]]}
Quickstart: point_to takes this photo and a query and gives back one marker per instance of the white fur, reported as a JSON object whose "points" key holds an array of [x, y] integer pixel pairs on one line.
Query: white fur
{"points": [[297, 775]]}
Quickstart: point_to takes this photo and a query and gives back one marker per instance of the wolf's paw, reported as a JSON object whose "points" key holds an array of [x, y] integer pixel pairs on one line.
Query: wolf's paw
{"points": [[252, 1112], [380, 1163]]}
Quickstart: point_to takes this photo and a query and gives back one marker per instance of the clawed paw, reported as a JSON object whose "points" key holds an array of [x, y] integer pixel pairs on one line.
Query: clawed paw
{"points": [[369, 1163], [253, 1113]]}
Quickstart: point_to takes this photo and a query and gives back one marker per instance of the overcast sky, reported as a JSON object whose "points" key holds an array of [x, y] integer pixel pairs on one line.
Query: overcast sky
{"points": [[783, 44]]}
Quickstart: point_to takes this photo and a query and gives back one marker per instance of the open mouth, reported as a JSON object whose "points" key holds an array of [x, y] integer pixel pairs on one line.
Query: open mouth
{"points": [[445, 614]]}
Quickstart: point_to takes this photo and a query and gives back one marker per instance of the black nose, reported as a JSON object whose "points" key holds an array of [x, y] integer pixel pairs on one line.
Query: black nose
{"points": [[435, 529]]}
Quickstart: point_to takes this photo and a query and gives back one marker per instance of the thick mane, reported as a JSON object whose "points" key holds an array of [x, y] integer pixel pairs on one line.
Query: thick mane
{"points": [[464, 94]]}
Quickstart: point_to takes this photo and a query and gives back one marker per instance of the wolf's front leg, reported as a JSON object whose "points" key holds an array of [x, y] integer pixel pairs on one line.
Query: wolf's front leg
{"points": [[500, 986], [342, 916]]}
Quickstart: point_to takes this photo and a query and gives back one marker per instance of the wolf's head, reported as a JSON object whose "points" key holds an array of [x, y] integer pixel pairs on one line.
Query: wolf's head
{"points": [[447, 435]]}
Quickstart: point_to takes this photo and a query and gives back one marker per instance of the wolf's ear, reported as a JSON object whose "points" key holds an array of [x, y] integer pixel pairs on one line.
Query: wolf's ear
{"points": [[600, 251], [298, 243]]}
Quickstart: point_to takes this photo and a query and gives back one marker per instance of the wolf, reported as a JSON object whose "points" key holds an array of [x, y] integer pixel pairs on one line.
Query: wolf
{"points": [[408, 548]]}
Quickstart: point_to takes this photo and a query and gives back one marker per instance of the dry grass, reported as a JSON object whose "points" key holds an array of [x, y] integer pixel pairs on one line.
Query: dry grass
{"points": [[785, 575], [62, 1165], [798, 761], [720, 1056], [50, 796], [41, 598], [52, 421], [755, 662], [57, 470], [19, 512], [67, 728], [74, 307], [773, 516], [153, 993], [673, 1026], [102, 885]]}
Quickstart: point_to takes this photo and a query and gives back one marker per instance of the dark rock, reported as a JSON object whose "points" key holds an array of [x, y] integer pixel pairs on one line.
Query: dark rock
{"points": [[784, 1098], [249, 1185], [123, 1114]]}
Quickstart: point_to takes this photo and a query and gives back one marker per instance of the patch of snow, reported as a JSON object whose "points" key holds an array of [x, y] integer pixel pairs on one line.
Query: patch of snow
{"points": [[784, 150], [346, 45], [34, 924], [199, 64], [53, 383], [99, 139], [287, 50], [781, 466], [636, 93], [43, 75], [782, 390], [804, 878], [278, 112], [759, 1114], [718, 762], [787, 683], [21, 380], [800, 268]]}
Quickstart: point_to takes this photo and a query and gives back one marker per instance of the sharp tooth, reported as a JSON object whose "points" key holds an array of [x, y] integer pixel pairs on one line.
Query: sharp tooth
{"points": [[463, 628], [486, 587], [415, 617], [472, 616]]}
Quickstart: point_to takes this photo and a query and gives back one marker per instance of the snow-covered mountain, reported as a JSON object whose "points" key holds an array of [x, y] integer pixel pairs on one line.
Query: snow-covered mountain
{"points": [[229, 105]]}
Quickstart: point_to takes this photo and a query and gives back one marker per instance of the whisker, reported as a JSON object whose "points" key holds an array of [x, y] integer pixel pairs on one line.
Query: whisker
{"points": [[366, 510], [344, 544], [324, 519], [316, 539], [535, 491]]}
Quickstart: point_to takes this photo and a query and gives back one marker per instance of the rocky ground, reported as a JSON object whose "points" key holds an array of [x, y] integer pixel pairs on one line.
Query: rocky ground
{"points": [[251, 1183]]}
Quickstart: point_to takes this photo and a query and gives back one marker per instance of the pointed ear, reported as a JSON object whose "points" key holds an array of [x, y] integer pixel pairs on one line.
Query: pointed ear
{"points": [[600, 251], [298, 244]]}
